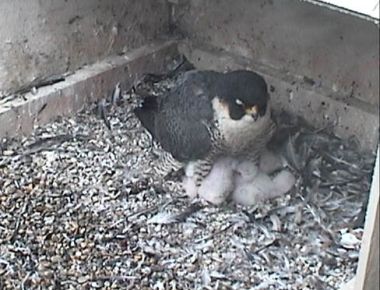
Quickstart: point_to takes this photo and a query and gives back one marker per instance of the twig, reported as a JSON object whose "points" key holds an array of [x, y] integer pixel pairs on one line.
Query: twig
{"points": [[265, 247], [188, 212], [18, 221], [103, 114]]}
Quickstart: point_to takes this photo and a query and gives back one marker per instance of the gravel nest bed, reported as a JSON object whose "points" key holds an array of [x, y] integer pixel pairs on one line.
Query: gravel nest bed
{"points": [[70, 217]]}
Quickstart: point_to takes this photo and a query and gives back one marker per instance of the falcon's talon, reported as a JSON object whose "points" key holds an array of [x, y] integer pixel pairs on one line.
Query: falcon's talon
{"points": [[174, 175]]}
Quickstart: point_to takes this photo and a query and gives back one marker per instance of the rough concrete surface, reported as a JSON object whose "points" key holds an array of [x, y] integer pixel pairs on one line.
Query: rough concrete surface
{"points": [[337, 50], [43, 38]]}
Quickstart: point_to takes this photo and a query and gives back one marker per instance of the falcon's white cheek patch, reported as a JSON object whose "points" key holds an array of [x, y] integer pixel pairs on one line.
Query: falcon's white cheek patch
{"points": [[247, 119], [220, 109]]}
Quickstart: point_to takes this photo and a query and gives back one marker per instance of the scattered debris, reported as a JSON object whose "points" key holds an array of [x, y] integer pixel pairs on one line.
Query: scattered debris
{"points": [[116, 94], [102, 111]]}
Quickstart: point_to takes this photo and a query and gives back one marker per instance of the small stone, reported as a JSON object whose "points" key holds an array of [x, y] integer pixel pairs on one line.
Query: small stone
{"points": [[8, 152], [83, 279]]}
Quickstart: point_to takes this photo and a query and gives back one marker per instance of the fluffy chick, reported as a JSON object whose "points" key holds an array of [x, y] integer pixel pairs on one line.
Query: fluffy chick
{"points": [[248, 183], [190, 187], [220, 182], [253, 185], [270, 162]]}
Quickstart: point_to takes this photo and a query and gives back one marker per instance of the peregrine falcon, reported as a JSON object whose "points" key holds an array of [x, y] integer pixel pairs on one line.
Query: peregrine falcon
{"points": [[207, 115]]}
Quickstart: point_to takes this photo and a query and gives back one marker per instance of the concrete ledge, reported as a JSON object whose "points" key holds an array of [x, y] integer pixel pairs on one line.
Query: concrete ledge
{"points": [[367, 275], [85, 85], [297, 95], [350, 285]]}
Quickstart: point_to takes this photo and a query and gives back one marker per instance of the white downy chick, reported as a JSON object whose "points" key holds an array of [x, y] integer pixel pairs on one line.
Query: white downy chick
{"points": [[250, 184], [188, 181], [270, 162], [252, 188], [219, 184], [190, 187], [247, 183], [284, 181]]}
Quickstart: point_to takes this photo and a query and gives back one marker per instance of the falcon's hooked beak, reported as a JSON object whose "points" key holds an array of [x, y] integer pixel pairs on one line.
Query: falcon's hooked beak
{"points": [[253, 111]]}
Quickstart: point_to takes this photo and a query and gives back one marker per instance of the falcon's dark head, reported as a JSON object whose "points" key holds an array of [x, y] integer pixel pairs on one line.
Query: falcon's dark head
{"points": [[244, 93]]}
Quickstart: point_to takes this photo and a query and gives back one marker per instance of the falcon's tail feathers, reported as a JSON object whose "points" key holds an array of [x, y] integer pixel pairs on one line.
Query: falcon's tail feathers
{"points": [[146, 113]]}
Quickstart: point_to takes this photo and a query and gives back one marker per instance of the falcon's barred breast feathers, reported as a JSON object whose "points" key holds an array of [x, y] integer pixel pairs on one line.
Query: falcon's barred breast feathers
{"points": [[208, 115]]}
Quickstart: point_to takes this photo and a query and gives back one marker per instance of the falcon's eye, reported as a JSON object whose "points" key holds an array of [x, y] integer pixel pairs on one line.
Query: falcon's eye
{"points": [[238, 102]]}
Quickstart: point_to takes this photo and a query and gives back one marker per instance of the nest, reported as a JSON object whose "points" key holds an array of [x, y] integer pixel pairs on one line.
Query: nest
{"points": [[71, 218]]}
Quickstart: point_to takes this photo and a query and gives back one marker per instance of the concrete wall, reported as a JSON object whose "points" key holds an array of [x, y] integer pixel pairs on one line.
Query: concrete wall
{"points": [[39, 38], [336, 51]]}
